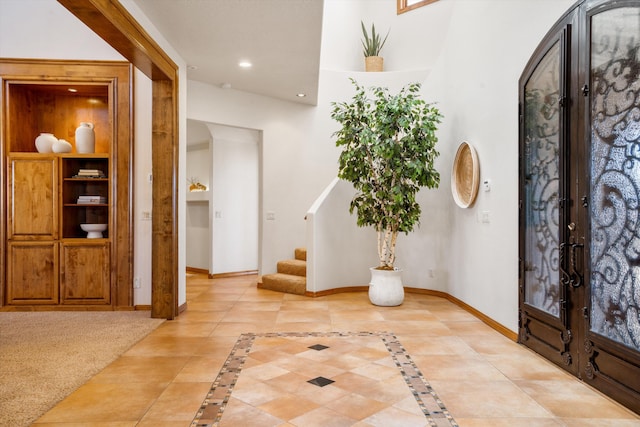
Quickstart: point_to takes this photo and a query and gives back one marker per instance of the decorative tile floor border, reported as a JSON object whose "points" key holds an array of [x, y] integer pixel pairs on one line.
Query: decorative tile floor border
{"points": [[211, 410]]}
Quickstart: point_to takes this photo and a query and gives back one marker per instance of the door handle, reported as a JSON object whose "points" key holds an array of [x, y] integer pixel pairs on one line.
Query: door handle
{"points": [[576, 277]]}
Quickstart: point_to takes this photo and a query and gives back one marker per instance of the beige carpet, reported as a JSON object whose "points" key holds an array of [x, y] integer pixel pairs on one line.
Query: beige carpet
{"points": [[44, 356]]}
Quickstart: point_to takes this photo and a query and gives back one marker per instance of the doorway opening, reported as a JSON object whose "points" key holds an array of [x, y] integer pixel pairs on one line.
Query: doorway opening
{"points": [[223, 199]]}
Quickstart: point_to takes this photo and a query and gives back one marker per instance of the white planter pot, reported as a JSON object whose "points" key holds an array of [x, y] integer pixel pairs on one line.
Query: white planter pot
{"points": [[386, 287]]}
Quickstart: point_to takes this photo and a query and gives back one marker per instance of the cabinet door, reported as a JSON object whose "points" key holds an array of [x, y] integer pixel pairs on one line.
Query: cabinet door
{"points": [[32, 197], [84, 273], [32, 272]]}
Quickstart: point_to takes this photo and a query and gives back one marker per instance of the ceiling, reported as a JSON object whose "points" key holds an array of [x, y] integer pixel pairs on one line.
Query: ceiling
{"points": [[281, 38]]}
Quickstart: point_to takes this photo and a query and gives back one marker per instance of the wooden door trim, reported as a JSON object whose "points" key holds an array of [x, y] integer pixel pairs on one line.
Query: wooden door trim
{"points": [[113, 23]]}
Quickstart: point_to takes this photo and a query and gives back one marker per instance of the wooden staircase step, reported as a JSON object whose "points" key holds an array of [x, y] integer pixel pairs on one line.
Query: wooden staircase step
{"points": [[301, 254], [291, 276], [294, 267], [287, 283]]}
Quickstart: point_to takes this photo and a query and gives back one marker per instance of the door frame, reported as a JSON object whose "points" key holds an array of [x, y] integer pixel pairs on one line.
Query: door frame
{"points": [[568, 340], [113, 23], [541, 331]]}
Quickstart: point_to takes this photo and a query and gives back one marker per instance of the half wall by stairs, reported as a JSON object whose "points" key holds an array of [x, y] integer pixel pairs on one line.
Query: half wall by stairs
{"points": [[291, 276]]}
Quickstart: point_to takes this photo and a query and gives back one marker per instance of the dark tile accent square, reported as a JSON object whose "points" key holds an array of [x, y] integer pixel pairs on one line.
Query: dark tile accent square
{"points": [[320, 381], [318, 347]]}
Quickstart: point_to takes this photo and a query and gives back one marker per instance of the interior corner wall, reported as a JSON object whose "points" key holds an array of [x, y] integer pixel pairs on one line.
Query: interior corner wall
{"points": [[472, 53], [487, 46]]}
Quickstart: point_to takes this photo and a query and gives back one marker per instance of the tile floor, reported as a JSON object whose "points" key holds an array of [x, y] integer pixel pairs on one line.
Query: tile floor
{"points": [[481, 377]]}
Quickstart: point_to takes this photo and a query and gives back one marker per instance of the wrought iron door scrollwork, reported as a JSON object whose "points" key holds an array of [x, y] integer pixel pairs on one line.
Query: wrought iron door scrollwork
{"points": [[566, 337], [588, 347], [615, 176], [524, 331], [541, 184], [590, 371], [565, 277]]}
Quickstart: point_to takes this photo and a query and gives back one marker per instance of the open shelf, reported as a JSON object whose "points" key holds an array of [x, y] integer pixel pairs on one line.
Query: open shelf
{"points": [[74, 213]]}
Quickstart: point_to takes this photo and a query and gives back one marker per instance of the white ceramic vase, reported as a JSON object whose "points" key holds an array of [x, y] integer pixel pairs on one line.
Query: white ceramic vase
{"points": [[61, 146], [44, 142], [386, 287], [85, 138]]}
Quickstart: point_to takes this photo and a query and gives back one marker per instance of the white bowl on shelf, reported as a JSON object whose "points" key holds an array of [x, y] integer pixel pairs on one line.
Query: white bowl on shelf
{"points": [[94, 231]]}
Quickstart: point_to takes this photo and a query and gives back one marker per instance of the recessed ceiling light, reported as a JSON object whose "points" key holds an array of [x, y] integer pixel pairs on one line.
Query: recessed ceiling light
{"points": [[244, 64], [192, 67], [301, 95]]}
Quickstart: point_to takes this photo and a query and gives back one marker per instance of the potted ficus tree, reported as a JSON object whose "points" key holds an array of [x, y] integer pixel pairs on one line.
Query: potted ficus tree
{"points": [[371, 47], [388, 152]]}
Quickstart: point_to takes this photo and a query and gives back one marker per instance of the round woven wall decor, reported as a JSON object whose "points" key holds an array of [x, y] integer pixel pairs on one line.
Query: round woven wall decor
{"points": [[465, 176]]}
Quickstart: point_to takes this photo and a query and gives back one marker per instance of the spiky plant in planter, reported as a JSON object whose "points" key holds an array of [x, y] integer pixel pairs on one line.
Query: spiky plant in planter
{"points": [[388, 153], [371, 46]]}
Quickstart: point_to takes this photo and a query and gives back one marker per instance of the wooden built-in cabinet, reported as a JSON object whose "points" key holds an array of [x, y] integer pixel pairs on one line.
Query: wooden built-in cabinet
{"points": [[32, 272], [32, 197], [48, 262], [81, 285]]}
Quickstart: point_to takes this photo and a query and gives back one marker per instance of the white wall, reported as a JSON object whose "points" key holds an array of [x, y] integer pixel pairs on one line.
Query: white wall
{"points": [[199, 218], [198, 234], [414, 41], [198, 203], [143, 193], [45, 29], [235, 200], [487, 45], [339, 254]]}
